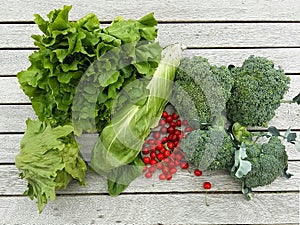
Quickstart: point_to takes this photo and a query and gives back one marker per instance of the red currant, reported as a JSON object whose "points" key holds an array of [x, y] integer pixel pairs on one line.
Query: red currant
{"points": [[175, 116], [178, 123], [170, 145], [173, 124], [184, 165], [151, 169], [159, 166], [145, 151], [152, 155], [169, 176], [156, 135], [169, 119], [146, 159], [160, 156], [188, 129], [170, 130], [173, 170], [163, 130], [164, 140], [165, 114], [185, 122], [207, 185], [148, 175], [197, 172], [167, 153], [162, 176], [152, 162], [151, 142], [162, 122], [145, 168]]}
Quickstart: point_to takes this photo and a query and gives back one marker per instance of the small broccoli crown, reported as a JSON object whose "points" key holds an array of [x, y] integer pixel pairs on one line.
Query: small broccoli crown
{"points": [[257, 92], [199, 84], [268, 161], [211, 149]]}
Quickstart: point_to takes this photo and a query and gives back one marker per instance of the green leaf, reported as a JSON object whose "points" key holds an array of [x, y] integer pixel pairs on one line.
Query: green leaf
{"points": [[119, 178], [291, 137], [297, 99], [60, 20], [274, 131], [243, 166]]}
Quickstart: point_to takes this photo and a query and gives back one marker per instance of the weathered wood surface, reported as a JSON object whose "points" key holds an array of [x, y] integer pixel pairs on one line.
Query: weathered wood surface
{"points": [[226, 33], [172, 10], [208, 35], [13, 61], [155, 209]]}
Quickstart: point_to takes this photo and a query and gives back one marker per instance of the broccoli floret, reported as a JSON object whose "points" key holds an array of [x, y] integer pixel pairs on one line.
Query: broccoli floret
{"points": [[201, 90], [211, 149], [257, 91], [268, 161]]}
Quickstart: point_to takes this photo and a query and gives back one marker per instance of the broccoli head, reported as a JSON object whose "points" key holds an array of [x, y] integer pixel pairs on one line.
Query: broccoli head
{"points": [[257, 91], [211, 149], [201, 90], [268, 161]]}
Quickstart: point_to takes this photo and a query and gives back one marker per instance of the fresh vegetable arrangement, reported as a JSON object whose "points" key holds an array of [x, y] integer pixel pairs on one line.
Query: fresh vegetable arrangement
{"points": [[117, 82]]}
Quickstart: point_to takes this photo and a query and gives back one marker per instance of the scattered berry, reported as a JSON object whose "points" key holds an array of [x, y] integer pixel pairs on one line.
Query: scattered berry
{"points": [[207, 185], [148, 175], [184, 165], [197, 172]]}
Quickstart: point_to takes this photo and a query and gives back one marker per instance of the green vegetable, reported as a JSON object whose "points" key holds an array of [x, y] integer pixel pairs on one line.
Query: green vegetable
{"points": [[241, 165], [201, 90], [211, 149], [257, 91], [268, 161], [121, 140], [49, 159]]}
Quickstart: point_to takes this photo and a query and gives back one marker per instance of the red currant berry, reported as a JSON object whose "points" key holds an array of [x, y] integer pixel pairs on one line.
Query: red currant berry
{"points": [[165, 114], [162, 176], [152, 155], [188, 129], [177, 162], [163, 130], [207, 185], [146, 159], [152, 162], [184, 165], [170, 130], [170, 145], [167, 153], [178, 123], [148, 175], [145, 168], [159, 147], [173, 170], [159, 166], [156, 135], [145, 151], [171, 164], [185, 122], [169, 176], [151, 169], [162, 122], [169, 119], [175, 116], [173, 124], [160, 156], [164, 140], [151, 142], [197, 172]]}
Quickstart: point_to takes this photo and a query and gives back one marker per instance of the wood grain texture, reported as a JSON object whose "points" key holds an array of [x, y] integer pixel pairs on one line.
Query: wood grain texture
{"points": [[172, 10], [13, 61], [194, 35], [13, 117], [12, 92], [154, 209], [182, 182], [10, 147]]}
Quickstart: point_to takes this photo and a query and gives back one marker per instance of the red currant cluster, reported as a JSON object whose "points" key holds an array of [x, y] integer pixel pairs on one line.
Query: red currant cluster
{"points": [[161, 150]]}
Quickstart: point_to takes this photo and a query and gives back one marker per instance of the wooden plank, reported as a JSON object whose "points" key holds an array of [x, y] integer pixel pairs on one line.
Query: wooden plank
{"points": [[12, 93], [190, 34], [155, 209], [10, 145], [13, 117], [214, 10], [182, 181], [13, 61]]}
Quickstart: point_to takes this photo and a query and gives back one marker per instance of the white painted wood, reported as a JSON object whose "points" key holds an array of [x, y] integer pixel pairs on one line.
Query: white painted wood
{"points": [[13, 117], [155, 209], [12, 92], [10, 146], [190, 34], [182, 181], [13, 61], [188, 10]]}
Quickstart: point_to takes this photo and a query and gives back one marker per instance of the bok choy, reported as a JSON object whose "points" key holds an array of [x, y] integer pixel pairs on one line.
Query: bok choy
{"points": [[116, 153]]}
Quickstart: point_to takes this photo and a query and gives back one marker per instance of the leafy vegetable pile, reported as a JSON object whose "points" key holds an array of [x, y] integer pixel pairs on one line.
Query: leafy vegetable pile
{"points": [[116, 81]]}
